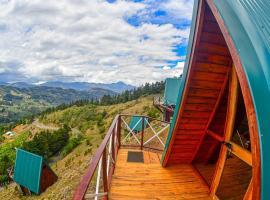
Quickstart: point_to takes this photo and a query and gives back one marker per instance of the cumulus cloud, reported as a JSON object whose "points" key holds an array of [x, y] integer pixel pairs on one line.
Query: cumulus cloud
{"points": [[82, 40]]}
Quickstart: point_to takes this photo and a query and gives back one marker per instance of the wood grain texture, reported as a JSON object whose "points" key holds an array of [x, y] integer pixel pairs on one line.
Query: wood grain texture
{"points": [[149, 180], [207, 80]]}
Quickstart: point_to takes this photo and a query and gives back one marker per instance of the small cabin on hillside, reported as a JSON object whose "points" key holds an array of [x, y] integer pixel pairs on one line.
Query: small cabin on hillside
{"points": [[32, 173], [167, 104], [218, 143]]}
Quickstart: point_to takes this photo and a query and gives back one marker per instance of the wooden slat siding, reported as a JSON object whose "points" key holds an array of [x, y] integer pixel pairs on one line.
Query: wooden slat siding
{"points": [[197, 107], [198, 27], [206, 76], [213, 38], [149, 180], [209, 71], [211, 27], [219, 99], [211, 68], [213, 48], [213, 59]]}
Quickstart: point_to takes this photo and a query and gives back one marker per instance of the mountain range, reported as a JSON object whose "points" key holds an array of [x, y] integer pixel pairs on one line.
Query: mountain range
{"points": [[117, 87]]}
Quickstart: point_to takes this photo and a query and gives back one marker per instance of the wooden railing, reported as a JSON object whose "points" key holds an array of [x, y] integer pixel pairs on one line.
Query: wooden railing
{"points": [[152, 136], [160, 104]]}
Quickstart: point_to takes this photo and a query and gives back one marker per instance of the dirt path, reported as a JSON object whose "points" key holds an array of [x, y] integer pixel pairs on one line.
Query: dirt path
{"points": [[40, 125]]}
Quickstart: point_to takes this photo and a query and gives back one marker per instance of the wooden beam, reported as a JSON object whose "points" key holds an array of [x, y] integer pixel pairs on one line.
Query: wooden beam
{"points": [[241, 153], [215, 135], [229, 126]]}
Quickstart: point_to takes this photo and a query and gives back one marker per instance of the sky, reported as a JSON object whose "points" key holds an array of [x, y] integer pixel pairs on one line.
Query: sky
{"points": [[105, 41]]}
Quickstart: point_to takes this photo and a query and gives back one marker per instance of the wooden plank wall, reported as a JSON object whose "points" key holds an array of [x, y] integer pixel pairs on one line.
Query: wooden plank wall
{"points": [[209, 69]]}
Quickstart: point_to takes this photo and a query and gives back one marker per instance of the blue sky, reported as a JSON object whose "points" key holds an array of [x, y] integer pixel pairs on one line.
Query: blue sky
{"points": [[134, 41]]}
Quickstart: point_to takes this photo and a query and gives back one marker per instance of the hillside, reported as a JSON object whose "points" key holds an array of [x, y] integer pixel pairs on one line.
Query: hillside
{"points": [[89, 123], [16, 103]]}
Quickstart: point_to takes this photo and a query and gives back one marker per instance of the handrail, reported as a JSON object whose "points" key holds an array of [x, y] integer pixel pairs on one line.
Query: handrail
{"points": [[82, 188], [162, 104], [103, 161], [151, 118]]}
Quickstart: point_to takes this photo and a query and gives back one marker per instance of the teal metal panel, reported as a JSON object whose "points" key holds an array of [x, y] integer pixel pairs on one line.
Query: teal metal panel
{"points": [[136, 123], [27, 170], [171, 90], [248, 23]]}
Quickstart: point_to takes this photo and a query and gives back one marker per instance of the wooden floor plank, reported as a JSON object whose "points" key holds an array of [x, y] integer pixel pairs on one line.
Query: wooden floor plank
{"points": [[149, 180]]}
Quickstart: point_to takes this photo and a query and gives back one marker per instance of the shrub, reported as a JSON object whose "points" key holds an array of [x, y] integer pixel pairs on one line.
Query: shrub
{"points": [[48, 143], [153, 112], [72, 143]]}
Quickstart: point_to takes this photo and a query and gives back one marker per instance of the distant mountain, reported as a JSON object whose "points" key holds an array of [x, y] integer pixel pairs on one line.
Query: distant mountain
{"points": [[23, 100], [117, 87], [84, 86], [21, 85]]}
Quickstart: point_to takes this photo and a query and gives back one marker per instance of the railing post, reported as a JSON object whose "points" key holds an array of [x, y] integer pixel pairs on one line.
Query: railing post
{"points": [[142, 132], [119, 132], [104, 175], [113, 146]]}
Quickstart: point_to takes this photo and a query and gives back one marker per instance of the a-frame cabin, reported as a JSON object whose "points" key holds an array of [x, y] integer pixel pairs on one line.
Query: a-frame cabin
{"points": [[218, 143], [167, 104]]}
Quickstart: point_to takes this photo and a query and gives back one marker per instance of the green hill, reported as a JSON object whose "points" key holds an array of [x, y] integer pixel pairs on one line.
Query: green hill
{"points": [[88, 124]]}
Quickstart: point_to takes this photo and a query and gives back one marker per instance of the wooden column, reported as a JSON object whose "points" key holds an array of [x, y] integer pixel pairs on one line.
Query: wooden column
{"points": [[229, 126]]}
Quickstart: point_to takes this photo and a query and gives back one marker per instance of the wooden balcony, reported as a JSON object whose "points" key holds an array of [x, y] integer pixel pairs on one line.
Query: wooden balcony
{"points": [[149, 180], [114, 174]]}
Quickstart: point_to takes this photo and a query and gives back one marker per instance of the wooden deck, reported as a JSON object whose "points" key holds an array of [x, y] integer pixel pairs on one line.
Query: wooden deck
{"points": [[149, 180]]}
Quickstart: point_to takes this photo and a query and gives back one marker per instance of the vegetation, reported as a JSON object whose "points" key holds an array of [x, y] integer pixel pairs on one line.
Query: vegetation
{"points": [[8, 154], [48, 143], [72, 143], [17, 103]]}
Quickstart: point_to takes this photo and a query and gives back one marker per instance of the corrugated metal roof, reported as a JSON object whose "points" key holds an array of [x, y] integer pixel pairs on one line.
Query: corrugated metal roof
{"points": [[259, 10], [171, 90], [27, 171]]}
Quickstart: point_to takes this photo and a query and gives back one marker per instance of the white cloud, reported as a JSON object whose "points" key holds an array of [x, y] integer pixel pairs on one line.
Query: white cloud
{"points": [[87, 40], [179, 9]]}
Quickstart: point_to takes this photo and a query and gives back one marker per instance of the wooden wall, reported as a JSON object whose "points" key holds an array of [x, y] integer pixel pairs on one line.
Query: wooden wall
{"points": [[204, 101]]}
